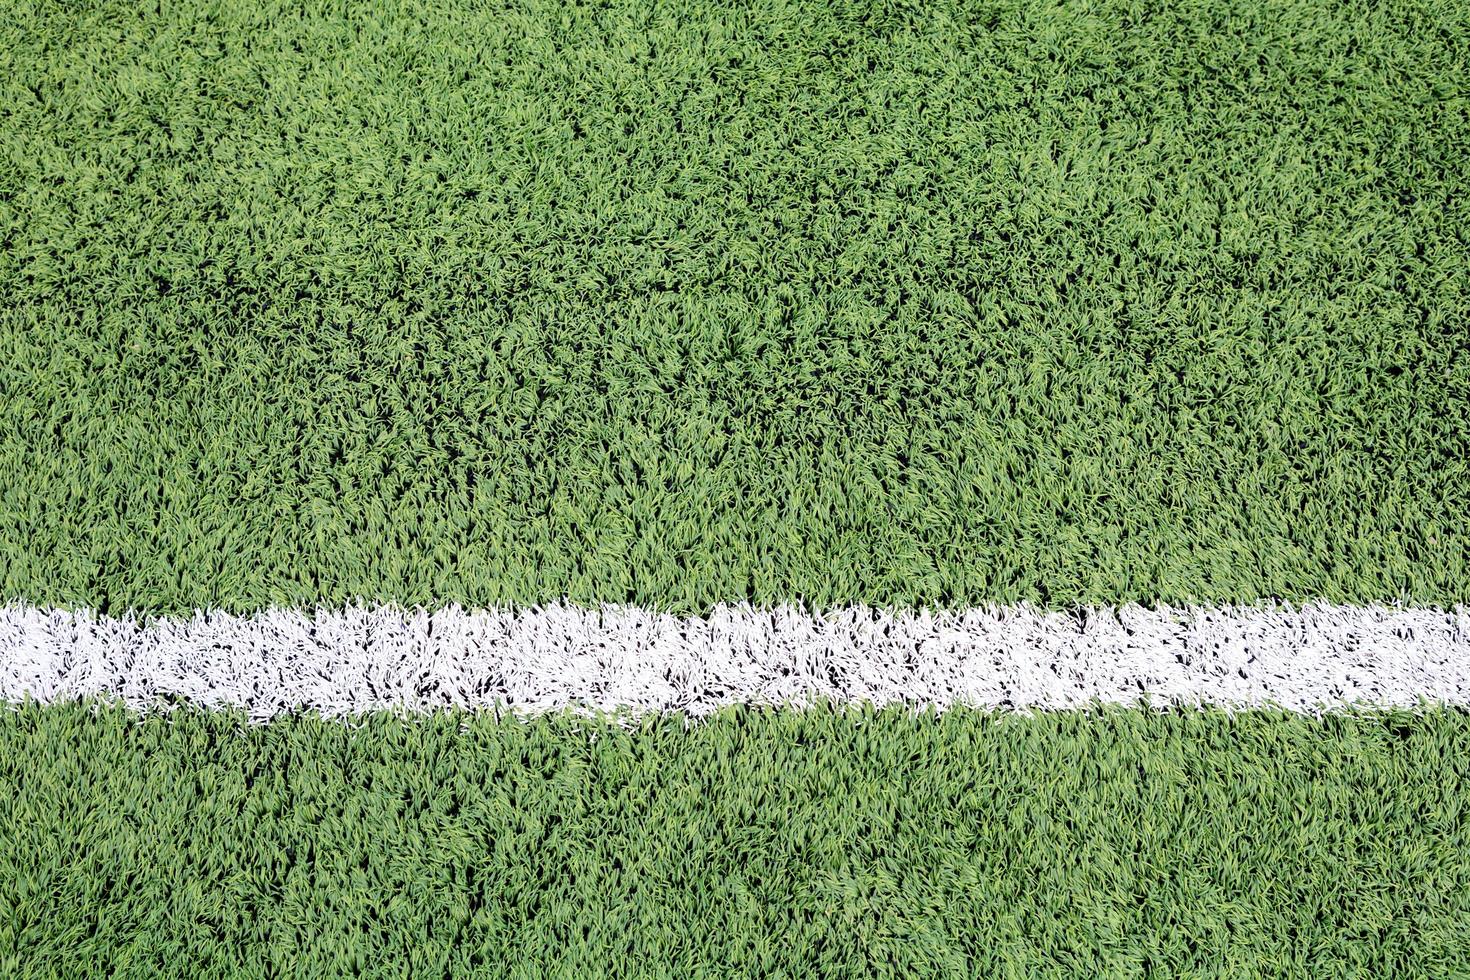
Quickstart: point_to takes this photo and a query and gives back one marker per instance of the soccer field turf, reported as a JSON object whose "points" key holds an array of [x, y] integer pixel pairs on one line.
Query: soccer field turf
{"points": [[733, 368], [679, 304], [756, 844]]}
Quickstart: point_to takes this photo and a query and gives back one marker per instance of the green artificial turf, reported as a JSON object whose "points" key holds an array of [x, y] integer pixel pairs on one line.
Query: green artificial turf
{"points": [[760, 844], [686, 302]]}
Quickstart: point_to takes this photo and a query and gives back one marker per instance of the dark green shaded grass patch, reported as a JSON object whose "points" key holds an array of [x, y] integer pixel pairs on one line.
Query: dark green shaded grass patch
{"points": [[824, 843], [680, 303]]}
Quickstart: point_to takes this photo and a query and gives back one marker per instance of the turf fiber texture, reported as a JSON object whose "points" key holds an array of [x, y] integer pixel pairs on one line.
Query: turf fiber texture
{"points": [[675, 303], [681, 303], [759, 844]]}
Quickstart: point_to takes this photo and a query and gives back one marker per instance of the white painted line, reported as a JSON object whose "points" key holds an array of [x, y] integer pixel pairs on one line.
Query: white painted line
{"points": [[349, 660]]}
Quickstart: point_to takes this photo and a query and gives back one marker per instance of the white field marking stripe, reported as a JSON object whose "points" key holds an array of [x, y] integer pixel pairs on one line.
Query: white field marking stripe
{"points": [[343, 661]]}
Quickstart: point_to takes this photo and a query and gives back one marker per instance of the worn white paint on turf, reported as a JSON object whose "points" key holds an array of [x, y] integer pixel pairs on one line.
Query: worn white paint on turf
{"points": [[360, 658]]}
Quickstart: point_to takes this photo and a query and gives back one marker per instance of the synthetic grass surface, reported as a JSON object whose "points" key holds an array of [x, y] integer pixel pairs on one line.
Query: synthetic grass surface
{"points": [[1082, 302], [816, 843]]}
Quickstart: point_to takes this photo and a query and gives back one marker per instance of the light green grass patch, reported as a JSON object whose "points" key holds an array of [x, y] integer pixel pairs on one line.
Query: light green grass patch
{"points": [[950, 303]]}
